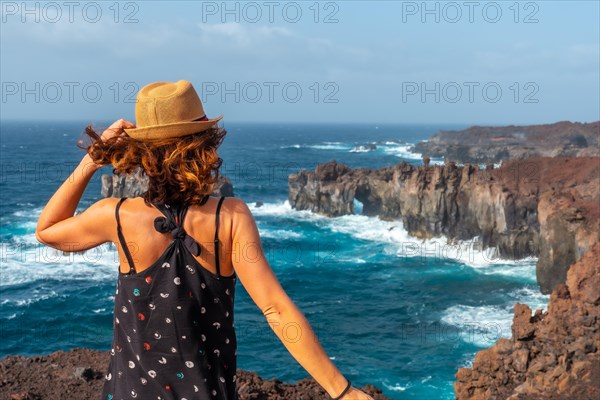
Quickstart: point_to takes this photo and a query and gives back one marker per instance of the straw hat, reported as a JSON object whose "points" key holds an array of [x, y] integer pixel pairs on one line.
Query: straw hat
{"points": [[167, 110]]}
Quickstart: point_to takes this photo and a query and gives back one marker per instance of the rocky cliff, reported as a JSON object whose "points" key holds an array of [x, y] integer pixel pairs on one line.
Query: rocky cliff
{"points": [[136, 184], [545, 206], [551, 355], [480, 144], [78, 374]]}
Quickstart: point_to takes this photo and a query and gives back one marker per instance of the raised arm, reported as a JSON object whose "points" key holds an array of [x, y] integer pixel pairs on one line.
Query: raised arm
{"points": [[57, 225], [262, 285]]}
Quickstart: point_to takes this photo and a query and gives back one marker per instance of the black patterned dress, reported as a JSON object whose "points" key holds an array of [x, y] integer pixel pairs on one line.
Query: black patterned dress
{"points": [[174, 335]]}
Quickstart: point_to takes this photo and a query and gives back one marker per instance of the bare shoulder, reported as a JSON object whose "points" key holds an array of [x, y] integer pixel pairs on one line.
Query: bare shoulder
{"points": [[104, 205], [240, 216], [235, 205], [104, 211], [105, 208]]}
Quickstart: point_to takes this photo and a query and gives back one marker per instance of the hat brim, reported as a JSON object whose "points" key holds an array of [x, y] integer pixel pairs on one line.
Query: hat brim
{"points": [[166, 131]]}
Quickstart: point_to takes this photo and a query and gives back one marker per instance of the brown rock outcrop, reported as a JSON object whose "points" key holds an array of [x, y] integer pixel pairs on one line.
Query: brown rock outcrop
{"points": [[546, 207], [136, 184], [551, 355], [481, 144], [78, 374]]}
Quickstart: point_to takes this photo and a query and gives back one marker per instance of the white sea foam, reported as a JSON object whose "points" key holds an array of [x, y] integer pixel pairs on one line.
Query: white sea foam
{"points": [[32, 265], [371, 228], [281, 234], [353, 260], [482, 166], [402, 151], [466, 360], [436, 161], [282, 209], [484, 325], [35, 296], [26, 213], [29, 213], [358, 206], [396, 387], [480, 325], [522, 269], [403, 245], [361, 149], [532, 297], [396, 148], [321, 146], [27, 260], [330, 146]]}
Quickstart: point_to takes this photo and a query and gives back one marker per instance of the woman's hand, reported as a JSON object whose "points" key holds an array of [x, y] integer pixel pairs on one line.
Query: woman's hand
{"points": [[356, 394], [116, 129]]}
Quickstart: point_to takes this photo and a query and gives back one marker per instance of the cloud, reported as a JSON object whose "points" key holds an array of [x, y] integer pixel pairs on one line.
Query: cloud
{"points": [[241, 37], [525, 58]]}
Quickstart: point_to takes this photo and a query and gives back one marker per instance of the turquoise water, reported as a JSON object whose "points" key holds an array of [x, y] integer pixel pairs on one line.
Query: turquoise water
{"points": [[386, 314]]}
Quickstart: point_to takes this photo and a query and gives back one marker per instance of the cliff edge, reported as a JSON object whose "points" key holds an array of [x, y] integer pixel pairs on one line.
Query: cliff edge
{"points": [[480, 144], [78, 374], [551, 355], [543, 206]]}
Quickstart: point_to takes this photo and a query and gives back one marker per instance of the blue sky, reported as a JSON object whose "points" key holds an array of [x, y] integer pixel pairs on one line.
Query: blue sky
{"points": [[376, 61]]}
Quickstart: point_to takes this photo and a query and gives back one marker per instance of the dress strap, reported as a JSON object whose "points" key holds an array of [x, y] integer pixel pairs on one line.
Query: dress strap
{"points": [[122, 238], [217, 236]]}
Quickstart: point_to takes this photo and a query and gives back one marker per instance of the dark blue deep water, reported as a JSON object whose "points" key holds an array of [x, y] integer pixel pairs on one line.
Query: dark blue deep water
{"points": [[389, 310]]}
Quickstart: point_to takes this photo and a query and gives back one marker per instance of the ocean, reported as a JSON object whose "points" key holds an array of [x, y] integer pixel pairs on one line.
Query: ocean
{"points": [[402, 320]]}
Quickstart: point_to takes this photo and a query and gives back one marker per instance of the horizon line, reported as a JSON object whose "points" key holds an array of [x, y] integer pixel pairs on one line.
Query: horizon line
{"points": [[373, 123]]}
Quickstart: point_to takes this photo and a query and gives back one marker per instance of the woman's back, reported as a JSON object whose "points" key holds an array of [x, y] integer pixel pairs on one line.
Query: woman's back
{"points": [[146, 244], [174, 335]]}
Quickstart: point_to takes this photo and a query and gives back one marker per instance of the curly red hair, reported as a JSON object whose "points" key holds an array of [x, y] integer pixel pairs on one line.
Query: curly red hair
{"points": [[180, 170]]}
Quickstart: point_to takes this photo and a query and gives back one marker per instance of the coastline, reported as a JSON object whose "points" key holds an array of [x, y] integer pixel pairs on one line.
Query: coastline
{"points": [[543, 203], [552, 354], [545, 207], [563, 209], [79, 374]]}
